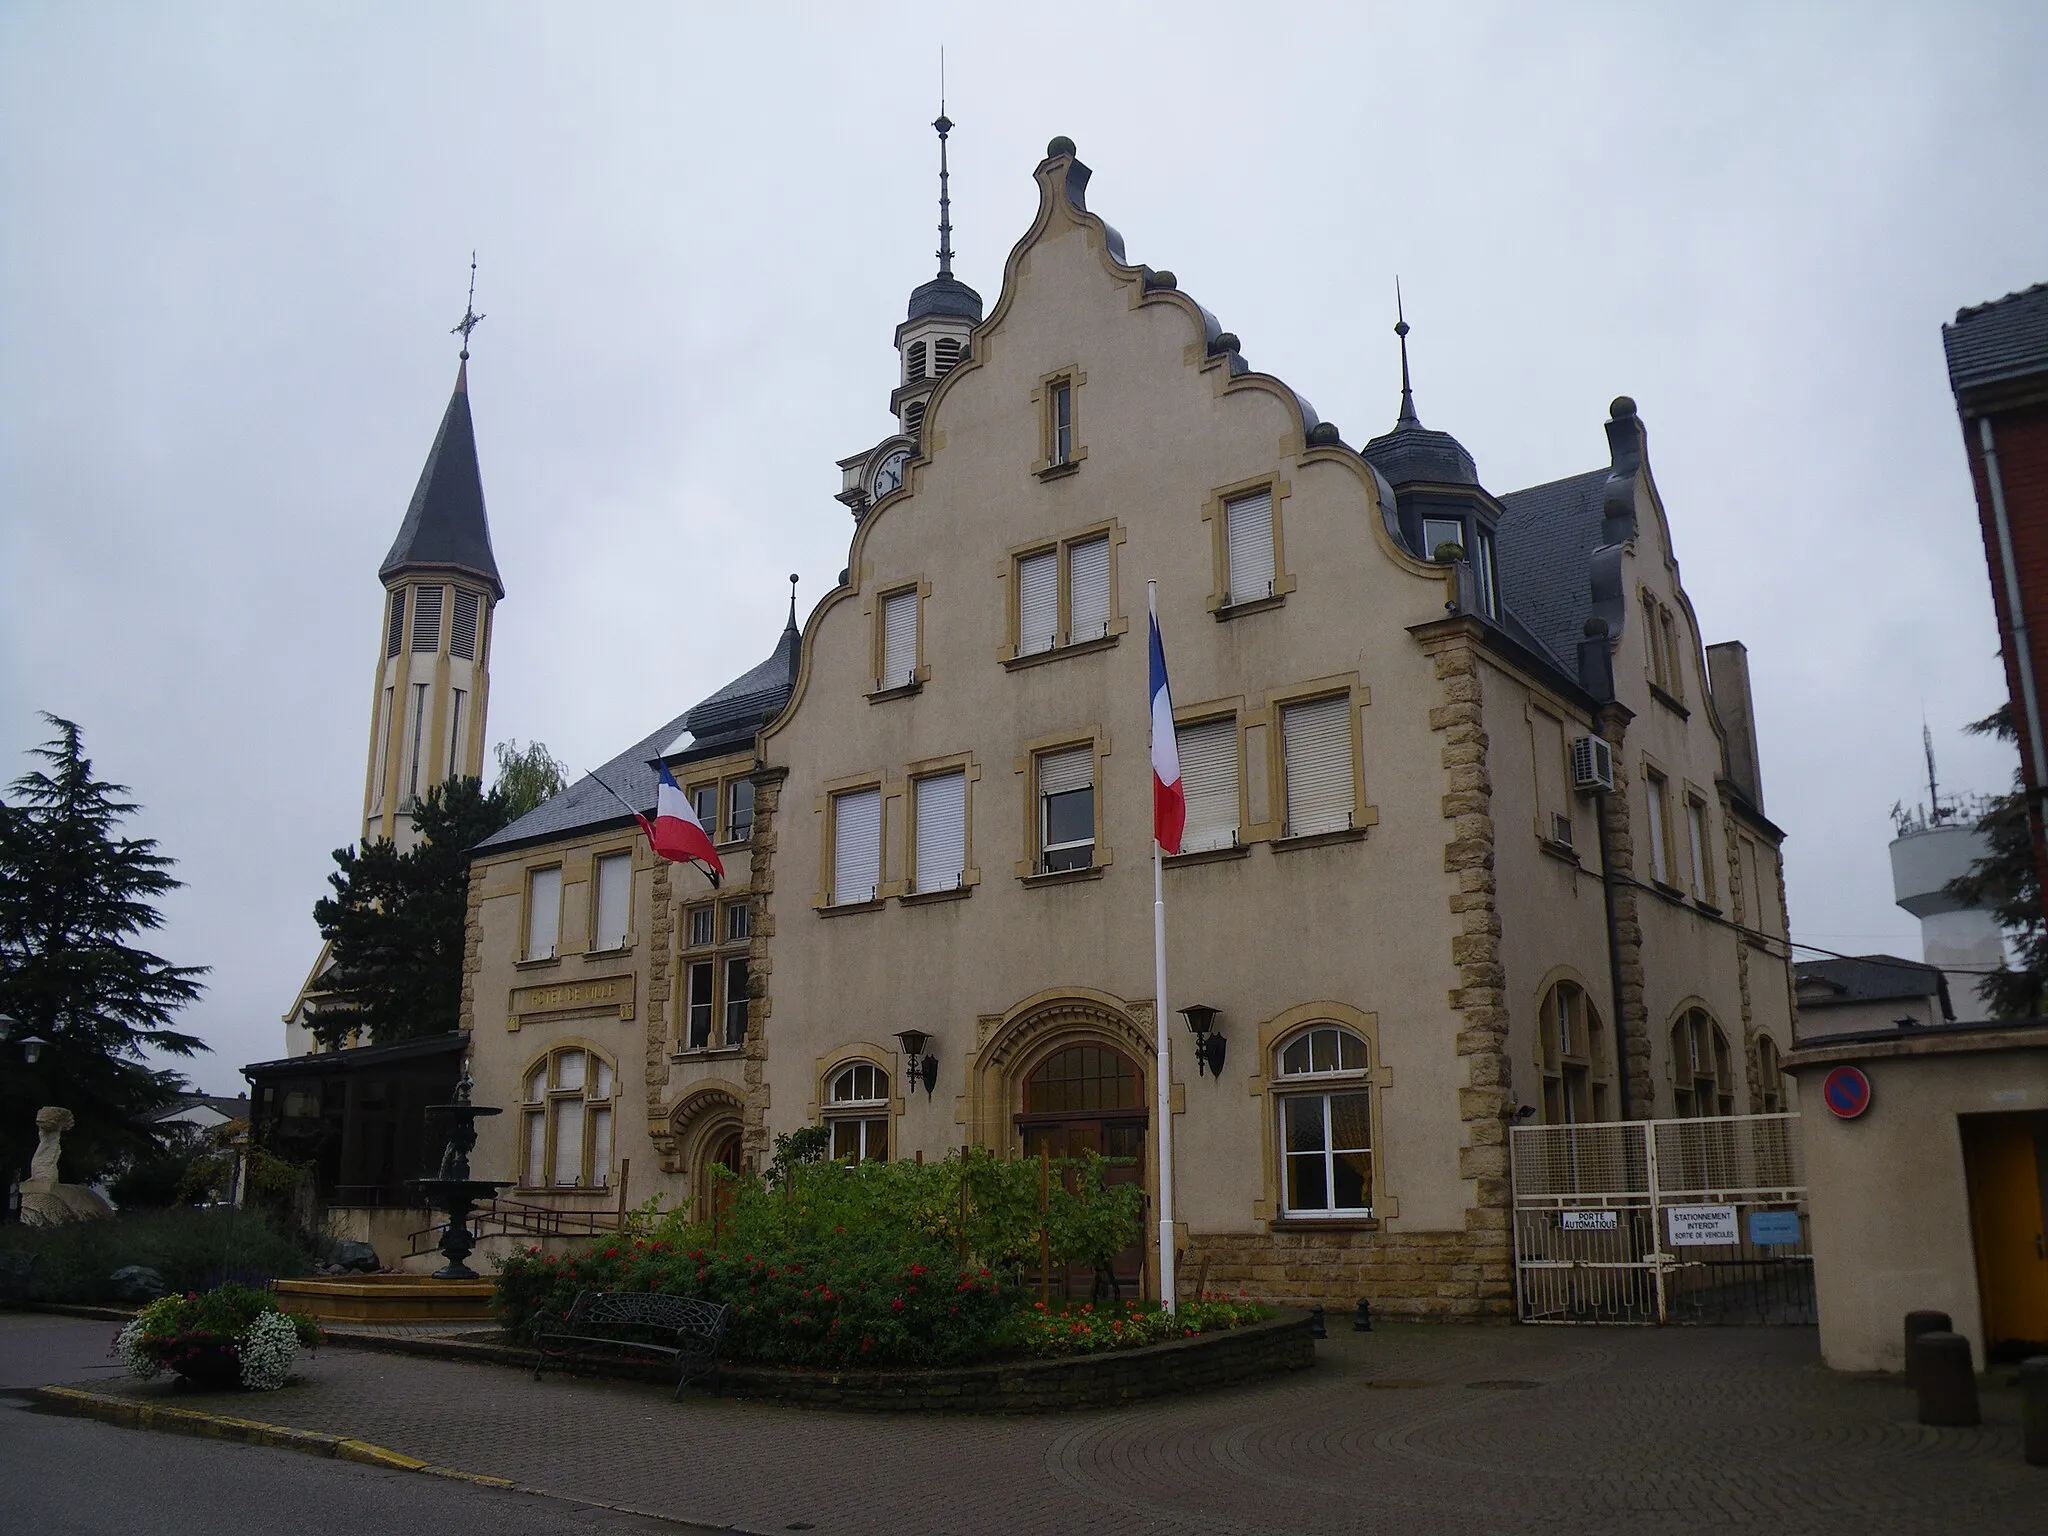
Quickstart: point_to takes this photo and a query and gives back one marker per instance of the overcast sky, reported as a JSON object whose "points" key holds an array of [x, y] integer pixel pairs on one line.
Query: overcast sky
{"points": [[234, 238]]}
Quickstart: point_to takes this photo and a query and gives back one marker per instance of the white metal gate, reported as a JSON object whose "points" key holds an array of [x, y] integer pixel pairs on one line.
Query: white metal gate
{"points": [[1662, 1221]]}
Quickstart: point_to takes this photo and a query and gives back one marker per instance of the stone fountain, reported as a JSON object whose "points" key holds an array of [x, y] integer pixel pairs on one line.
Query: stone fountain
{"points": [[452, 1189]]}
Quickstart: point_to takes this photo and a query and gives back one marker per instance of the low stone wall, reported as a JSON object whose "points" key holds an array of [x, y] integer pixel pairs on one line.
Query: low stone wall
{"points": [[1198, 1364], [1424, 1276]]}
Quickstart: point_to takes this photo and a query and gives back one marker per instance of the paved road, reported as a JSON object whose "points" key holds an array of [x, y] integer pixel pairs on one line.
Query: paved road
{"points": [[1412, 1429]]}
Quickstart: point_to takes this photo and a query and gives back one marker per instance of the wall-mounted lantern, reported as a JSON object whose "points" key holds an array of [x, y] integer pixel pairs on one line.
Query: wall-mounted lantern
{"points": [[1209, 1042], [923, 1063]]}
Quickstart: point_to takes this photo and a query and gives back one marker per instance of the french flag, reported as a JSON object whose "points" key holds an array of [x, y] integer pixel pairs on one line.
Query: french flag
{"points": [[675, 832], [1169, 801]]}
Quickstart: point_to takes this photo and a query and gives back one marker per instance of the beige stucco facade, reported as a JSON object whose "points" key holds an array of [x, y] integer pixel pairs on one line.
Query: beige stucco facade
{"points": [[1434, 917], [1889, 1190]]}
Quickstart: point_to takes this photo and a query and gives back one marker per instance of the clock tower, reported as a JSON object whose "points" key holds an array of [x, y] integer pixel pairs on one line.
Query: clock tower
{"points": [[930, 343]]}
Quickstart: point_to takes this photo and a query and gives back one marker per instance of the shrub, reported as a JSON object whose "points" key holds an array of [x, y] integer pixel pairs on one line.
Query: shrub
{"points": [[1085, 1328], [231, 1329], [74, 1263]]}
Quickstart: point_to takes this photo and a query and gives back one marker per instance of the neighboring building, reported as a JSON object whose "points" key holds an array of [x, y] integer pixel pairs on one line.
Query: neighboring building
{"points": [[1393, 892], [1936, 1196], [1869, 994], [1998, 371], [198, 1113], [432, 690]]}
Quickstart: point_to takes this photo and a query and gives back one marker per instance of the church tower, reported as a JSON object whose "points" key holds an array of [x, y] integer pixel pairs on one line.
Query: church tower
{"points": [[433, 667]]}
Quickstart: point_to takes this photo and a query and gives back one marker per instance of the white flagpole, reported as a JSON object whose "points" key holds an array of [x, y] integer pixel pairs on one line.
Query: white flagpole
{"points": [[1163, 1066]]}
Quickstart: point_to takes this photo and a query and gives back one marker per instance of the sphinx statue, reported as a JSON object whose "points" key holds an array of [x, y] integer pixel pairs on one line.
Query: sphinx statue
{"points": [[45, 1201]]}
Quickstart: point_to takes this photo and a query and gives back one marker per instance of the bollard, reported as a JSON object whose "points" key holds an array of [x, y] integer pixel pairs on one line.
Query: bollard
{"points": [[1362, 1323], [1918, 1323], [1946, 1380], [2034, 1410], [1318, 1326]]}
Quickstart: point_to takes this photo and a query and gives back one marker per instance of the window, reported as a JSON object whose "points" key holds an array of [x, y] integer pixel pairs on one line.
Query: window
{"points": [[739, 810], [736, 1000], [700, 1004], [1316, 745], [1208, 776], [914, 367], [1761, 911], [543, 912], [945, 355], [1552, 763], [1573, 1054], [939, 804], [1701, 843], [1660, 640], [1674, 673], [1060, 422], [739, 922], [397, 635], [1066, 809], [419, 726], [462, 641], [857, 1113], [703, 927], [1770, 1077], [1439, 531], [1701, 1072], [1248, 546], [704, 806], [1483, 568], [713, 1008], [913, 415], [1656, 792], [454, 730], [614, 883], [426, 619], [1325, 1110], [566, 1121], [1065, 594], [1084, 1080], [856, 846], [898, 658], [384, 743]]}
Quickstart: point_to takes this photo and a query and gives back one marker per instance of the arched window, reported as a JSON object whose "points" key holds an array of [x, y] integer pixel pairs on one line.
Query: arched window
{"points": [[1770, 1077], [1325, 1108], [1573, 1050], [945, 355], [857, 1112], [565, 1128], [913, 415], [914, 364], [1702, 1073]]}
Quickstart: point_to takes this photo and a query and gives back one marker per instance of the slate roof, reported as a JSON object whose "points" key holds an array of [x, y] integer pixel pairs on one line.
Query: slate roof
{"points": [[2005, 339], [1412, 453], [1545, 549], [944, 296], [726, 720], [445, 527], [1865, 979]]}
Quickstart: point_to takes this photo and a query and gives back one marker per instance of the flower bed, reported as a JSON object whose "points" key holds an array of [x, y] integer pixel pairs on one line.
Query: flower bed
{"points": [[231, 1336]]}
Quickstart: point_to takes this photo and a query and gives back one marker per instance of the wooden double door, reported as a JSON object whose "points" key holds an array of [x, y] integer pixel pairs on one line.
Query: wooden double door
{"points": [[1083, 1099]]}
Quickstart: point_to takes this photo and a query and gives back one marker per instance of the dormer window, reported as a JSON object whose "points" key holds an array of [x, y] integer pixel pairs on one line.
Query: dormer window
{"points": [[913, 366], [1439, 531]]}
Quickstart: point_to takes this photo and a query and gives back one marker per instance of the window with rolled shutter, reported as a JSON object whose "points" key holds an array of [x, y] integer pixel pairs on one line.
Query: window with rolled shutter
{"points": [[614, 900], [1248, 537], [462, 639], [1038, 602], [543, 912], [941, 831], [426, 619], [899, 638], [1208, 776], [1087, 590], [1316, 740], [856, 846], [1066, 801]]}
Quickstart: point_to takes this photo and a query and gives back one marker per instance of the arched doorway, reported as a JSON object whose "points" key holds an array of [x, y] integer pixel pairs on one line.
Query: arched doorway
{"points": [[1082, 1098], [722, 1155]]}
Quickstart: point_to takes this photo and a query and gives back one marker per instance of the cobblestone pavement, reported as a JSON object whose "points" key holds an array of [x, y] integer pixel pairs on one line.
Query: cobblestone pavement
{"points": [[1411, 1429]]}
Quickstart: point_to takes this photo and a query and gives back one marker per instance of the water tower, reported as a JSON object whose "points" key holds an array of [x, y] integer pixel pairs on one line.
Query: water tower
{"points": [[1936, 843]]}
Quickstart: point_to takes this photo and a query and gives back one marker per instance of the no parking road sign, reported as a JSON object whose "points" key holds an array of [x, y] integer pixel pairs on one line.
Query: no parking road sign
{"points": [[1846, 1092]]}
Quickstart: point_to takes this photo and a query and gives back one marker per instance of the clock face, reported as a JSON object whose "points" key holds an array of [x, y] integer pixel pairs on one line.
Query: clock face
{"points": [[889, 474]]}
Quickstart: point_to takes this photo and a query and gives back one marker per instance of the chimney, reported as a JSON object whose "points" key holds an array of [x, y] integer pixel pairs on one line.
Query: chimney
{"points": [[1728, 677]]}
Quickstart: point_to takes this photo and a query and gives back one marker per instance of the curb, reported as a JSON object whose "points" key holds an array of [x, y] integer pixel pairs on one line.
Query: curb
{"points": [[219, 1426]]}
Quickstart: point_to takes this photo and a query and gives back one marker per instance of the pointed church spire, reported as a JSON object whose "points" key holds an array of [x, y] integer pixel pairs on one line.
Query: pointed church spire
{"points": [[792, 601], [944, 125], [1407, 416]]}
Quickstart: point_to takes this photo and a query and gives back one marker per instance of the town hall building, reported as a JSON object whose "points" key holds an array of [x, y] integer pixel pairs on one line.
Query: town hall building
{"points": [[1475, 818]]}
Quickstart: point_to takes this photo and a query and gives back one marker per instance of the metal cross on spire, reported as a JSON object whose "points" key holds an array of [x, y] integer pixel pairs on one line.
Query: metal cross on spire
{"points": [[944, 125], [470, 318]]}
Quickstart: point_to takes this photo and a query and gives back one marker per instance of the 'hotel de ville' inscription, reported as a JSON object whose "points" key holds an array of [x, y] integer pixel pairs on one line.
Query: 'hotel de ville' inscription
{"points": [[600, 994]]}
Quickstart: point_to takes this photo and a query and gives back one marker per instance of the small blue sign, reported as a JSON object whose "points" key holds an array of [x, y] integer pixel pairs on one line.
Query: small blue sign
{"points": [[1773, 1229]]}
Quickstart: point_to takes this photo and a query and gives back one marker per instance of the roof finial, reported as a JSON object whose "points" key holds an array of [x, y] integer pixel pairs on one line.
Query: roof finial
{"points": [[944, 124], [470, 318], [792, 599], [1407, 416]]}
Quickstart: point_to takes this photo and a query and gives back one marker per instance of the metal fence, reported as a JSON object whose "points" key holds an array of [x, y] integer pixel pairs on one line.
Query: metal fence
{"points": [[1662, 1221]]}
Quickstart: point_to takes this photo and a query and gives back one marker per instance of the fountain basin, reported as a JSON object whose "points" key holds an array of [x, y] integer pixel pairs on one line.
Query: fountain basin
{"points": [[387, 1299]]}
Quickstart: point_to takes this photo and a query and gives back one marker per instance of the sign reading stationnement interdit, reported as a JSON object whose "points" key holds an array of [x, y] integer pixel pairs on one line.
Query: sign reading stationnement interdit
{"points": [[1698, 1226], [599, 994]]}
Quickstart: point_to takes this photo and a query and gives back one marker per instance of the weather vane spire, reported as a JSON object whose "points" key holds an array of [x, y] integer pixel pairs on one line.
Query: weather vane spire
{"points": [[944, 125], [1401, 330], [470, 318], [792, 599]]}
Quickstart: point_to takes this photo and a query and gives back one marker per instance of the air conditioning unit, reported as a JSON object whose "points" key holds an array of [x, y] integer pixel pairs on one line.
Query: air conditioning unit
{"points": [[1592, 765]]}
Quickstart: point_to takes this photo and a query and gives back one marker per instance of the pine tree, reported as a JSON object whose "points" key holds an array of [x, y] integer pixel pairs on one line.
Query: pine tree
{"points": [[396, 920], [73, 893], [2008, 882]]}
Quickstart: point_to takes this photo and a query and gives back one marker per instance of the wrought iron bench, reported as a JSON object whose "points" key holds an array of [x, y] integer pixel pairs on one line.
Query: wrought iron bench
{"points": [[677, 1328]]}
